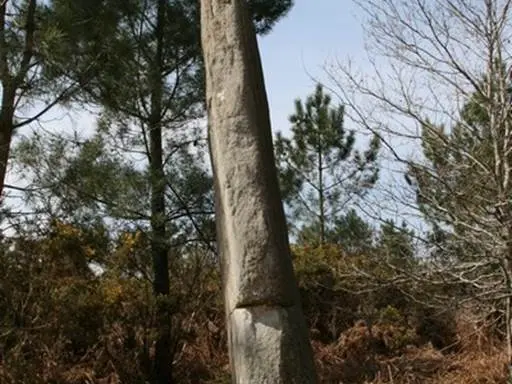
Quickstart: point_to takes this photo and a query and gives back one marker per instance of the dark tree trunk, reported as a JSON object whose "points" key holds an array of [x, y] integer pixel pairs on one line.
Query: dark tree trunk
{"points": [[6, 131], [161, 370], [321, 193]]}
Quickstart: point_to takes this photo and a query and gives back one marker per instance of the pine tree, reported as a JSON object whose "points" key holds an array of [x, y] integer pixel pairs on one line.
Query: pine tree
{"points": [[321, 171], [395, 243], [27, 38], [351, 232]]}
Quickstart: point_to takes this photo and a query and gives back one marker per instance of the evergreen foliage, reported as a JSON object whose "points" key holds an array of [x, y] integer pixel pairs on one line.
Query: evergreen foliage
{"points": [[321, 171]]}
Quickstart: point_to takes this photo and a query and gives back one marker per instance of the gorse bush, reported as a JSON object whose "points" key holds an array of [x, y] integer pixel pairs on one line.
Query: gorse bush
{"points": [[63, 323]]}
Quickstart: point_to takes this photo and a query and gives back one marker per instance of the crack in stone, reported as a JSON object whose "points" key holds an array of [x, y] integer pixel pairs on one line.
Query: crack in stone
{"points": [[262, 304]]}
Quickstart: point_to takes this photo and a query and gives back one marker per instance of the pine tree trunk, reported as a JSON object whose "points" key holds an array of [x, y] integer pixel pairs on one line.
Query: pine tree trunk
{"points": [[6, 132], [7, 107], [321, 193], [267, 333], [5, 146], [161, 368], [159, 252], [161, 372]]}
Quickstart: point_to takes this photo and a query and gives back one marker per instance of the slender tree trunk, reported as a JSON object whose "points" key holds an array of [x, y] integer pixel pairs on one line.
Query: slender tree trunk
{"points": [[161, 372], [321, 194], [267, 333], [8, 95], [6, 132], [5, 146], [159, 251]]}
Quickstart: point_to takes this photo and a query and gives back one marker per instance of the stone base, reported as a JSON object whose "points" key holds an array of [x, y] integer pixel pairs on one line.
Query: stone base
{"points": [[270, 337]]}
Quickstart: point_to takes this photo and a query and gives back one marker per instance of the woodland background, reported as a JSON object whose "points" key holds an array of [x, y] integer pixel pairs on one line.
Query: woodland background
{"points": [[106, 234]]}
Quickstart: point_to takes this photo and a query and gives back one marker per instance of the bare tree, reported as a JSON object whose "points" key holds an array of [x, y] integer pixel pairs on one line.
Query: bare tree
{"points": [[268, 338], [440, 84]]}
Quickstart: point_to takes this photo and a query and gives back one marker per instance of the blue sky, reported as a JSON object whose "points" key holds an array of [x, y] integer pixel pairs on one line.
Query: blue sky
{"points": [[313, 32]]}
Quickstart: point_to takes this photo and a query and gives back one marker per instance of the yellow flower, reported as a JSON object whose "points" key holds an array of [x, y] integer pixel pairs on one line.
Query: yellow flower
{"points": [[112, 291]]}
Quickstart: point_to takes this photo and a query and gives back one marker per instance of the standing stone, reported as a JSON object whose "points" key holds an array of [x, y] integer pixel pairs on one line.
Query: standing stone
{"points": [[268, 337]]}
